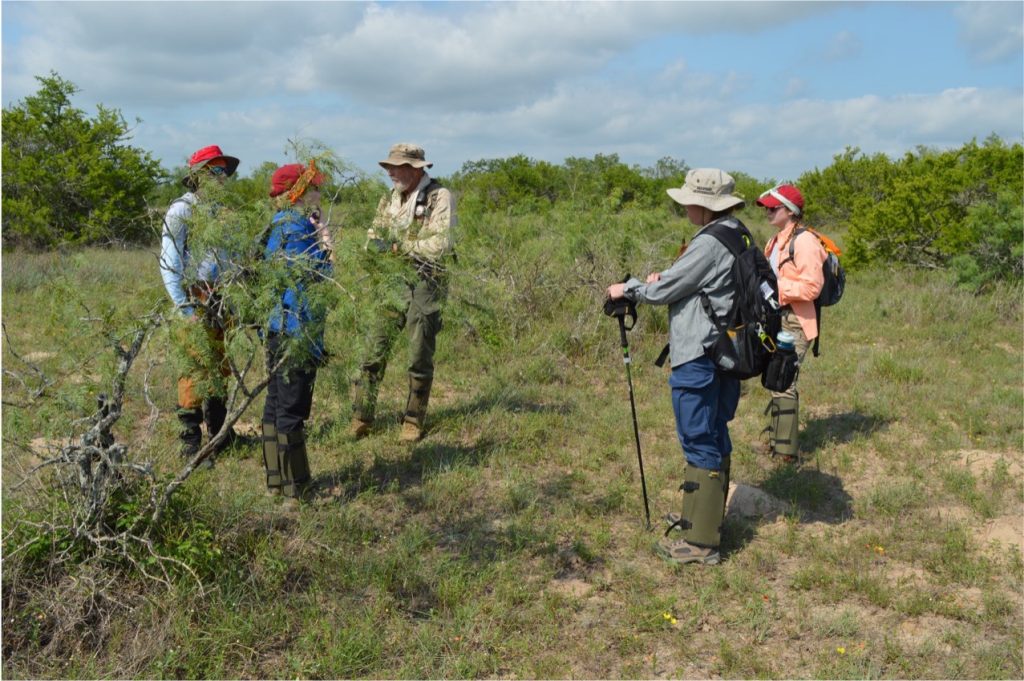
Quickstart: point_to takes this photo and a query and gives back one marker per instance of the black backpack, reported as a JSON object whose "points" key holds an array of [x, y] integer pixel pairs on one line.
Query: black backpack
{"points": [[746, 337]]}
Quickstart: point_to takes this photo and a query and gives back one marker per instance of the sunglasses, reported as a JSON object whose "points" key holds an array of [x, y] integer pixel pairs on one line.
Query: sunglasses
{"points": [[218, 170]]}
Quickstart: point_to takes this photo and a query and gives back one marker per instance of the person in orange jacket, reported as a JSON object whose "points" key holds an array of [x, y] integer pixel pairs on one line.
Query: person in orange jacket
{"points": [[800, 278]]}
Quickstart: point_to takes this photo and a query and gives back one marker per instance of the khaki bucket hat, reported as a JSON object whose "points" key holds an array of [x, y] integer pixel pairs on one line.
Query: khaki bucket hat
{"points": [[708, 187], [403, 154]]}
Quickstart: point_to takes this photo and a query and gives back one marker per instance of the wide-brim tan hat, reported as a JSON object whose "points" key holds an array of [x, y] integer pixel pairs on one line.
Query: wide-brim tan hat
{"points": [[708, 187], [403, 154]]}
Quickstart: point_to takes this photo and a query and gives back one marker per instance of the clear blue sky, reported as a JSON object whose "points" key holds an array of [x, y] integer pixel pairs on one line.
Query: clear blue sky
{"points": [[771, 89]]}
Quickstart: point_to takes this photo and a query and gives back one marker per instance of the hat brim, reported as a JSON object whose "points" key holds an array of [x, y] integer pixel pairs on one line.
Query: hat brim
{"points": [[415, 163], [768, 202], [688, 197]]}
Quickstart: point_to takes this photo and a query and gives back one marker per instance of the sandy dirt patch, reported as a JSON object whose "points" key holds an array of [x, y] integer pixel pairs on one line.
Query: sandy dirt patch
{"points": [[1007, 530], [980, 462]]}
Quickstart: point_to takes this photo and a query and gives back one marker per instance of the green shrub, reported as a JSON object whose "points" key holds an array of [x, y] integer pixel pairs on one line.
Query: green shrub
{"points": [[69, 179], [930, 209]]}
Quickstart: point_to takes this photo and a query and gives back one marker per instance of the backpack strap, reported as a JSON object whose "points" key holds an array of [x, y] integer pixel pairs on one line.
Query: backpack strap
{"points": [[736, 239], [428, 198], [792, 245], [817, 315]]}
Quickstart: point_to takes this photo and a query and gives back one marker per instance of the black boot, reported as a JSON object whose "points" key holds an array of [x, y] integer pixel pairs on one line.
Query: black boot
{"points": [[214, 413], [191, 433]]}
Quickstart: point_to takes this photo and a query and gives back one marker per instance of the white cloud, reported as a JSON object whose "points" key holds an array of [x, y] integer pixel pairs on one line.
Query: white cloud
{"points": [[992, 31], [470, 81], [486, 55]]}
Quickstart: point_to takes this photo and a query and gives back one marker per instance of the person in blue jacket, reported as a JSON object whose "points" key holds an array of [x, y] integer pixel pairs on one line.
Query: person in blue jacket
{"points": [[294, 331]]}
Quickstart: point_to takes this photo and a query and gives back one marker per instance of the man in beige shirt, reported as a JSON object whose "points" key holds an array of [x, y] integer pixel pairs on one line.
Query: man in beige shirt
{"points": [[414, 222]]}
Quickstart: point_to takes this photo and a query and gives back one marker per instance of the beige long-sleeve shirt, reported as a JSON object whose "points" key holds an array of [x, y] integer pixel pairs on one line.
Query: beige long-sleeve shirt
{"points": [[421, 230]]}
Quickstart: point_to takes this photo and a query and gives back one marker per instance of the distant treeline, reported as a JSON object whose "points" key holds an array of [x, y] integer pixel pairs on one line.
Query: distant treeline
{"points": [[71, 180]]}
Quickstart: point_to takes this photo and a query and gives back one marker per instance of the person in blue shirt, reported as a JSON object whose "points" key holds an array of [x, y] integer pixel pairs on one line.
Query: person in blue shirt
{"points": [[191, 283], [294, 330]]}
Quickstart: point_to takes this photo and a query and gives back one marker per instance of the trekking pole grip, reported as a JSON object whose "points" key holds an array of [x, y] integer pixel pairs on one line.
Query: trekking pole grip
{"points": [[622, 331]]}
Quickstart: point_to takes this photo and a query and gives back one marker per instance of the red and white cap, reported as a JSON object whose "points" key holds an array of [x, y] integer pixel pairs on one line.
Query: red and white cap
{"points": [[783, 195]]}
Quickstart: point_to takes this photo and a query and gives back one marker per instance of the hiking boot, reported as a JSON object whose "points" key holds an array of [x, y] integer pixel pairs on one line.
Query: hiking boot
{"points": [[188, 449], [416, 409], [410, 433], [359, 428], [190, 433], [765, 449], [681, 552], [302, 493]]}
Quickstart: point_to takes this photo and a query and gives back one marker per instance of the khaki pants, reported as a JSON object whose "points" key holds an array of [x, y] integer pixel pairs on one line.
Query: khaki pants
{"points": [[421, 315], [207, 355], [791, 323]]}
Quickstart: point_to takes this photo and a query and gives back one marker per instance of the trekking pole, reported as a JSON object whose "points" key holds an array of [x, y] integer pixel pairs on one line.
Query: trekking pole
{"points": [[620, 309]]}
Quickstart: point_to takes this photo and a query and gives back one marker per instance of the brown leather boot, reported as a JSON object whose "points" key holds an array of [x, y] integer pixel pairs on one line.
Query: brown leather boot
{"points": [[359, 428], [416, 409], [410, 433]]}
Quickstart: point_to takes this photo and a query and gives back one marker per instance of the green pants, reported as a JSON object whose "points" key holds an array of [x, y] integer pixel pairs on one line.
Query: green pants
{"points": [[421, 315]]}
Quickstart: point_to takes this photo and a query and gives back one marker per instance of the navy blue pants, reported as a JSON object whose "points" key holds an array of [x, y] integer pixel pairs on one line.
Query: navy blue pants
{"points": [[704, 402]]}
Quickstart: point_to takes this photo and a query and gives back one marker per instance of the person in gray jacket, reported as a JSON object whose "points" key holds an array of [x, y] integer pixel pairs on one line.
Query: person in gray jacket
{"points": [[704, 401]]}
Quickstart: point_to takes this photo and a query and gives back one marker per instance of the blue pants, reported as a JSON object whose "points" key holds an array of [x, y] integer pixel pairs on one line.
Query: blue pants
{"points": [[704, 402]]}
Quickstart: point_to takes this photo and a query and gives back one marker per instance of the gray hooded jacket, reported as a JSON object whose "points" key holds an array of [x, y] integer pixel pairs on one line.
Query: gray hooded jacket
{"points": [[705, 266]]}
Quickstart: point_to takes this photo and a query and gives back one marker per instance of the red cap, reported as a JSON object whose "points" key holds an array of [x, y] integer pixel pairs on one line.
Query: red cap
{"points": [[783, 195], [285, 177]]}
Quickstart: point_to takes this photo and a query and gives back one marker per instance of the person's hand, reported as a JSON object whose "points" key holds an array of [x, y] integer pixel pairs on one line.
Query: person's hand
{"points": [[324, 234], [653, 277], [616, 291]]}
